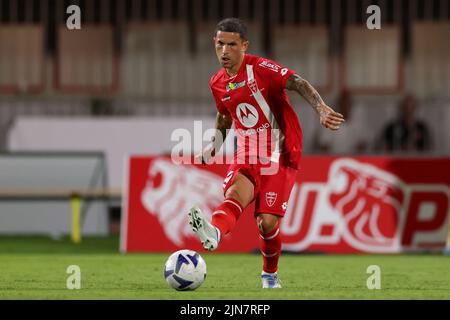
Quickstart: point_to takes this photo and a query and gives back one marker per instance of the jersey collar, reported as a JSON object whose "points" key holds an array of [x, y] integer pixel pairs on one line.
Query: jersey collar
{"points": [[241, 68]]}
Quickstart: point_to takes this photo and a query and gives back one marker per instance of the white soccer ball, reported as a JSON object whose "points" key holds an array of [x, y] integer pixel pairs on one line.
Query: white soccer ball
{"points": [[185, 270]]}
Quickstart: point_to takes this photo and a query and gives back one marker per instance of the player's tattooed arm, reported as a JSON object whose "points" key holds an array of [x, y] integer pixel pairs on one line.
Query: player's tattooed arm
{"points": [[223, 124], [328, 117], [305, 89]]}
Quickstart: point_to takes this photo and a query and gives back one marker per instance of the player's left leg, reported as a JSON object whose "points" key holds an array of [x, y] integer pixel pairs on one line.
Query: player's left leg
{"points": [[270, 246], [271, 205]]}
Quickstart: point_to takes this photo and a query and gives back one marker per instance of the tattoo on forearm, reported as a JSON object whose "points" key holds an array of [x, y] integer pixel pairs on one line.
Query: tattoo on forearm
{"points": [[305, 89], [223, 123]]}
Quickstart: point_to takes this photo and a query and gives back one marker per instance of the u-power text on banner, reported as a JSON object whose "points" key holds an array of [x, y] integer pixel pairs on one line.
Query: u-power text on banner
{"points": [[338, 205]]}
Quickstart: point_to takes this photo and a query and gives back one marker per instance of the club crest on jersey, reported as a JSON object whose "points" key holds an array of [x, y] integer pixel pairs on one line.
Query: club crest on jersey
{"points": [[253, 85], [233, 86], [271, 197]]}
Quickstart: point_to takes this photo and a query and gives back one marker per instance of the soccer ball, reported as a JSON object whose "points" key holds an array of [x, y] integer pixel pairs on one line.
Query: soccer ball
{"points": [[185, 270]]}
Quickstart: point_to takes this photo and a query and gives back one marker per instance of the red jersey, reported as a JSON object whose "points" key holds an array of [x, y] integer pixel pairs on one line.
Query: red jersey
{"points": [[256, 100]]}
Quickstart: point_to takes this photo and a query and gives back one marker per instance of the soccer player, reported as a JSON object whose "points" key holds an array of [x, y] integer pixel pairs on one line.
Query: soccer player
{"points": [[250, 91]]}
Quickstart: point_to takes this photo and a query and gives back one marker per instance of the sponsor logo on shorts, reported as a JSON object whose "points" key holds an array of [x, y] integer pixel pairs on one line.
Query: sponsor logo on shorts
{"points": [[227, 179]]}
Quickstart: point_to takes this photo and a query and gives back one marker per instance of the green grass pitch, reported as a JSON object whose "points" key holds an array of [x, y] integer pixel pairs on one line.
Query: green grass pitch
{"points": [[35, 268]]}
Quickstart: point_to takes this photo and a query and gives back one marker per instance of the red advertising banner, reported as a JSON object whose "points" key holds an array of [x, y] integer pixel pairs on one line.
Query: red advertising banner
{"points": [[338, 205]]}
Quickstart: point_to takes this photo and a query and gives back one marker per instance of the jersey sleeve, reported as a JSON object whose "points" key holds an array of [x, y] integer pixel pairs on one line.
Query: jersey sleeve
{"points": [[219, 104], [277, 74]]}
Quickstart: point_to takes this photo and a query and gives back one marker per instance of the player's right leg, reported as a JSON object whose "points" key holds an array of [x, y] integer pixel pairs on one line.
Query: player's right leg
{"points": [[238, 195]]}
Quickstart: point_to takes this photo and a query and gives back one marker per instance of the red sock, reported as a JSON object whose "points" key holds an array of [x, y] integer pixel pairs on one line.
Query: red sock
{"points": [[225, 216], [270, 245]]}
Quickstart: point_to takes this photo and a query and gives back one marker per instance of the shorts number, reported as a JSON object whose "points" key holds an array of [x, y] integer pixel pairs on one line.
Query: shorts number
{"points": [[227, 178]]}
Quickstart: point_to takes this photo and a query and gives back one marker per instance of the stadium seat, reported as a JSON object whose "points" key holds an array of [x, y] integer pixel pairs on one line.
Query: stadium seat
{"points": [[85, 61], [304, 49], [154, 60], [21, 58], [429, 59], [371, 59]]}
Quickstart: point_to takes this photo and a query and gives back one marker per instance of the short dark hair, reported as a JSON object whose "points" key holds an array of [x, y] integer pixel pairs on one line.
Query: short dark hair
{"points": [[232, 25]]}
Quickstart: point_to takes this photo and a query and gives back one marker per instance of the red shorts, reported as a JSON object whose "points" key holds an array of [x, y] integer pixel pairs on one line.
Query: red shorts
{"points": [[272, 191]]}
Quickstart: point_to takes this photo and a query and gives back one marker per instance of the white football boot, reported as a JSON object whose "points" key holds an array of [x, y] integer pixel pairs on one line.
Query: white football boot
{"points": [[270, 280], [205, 231]]}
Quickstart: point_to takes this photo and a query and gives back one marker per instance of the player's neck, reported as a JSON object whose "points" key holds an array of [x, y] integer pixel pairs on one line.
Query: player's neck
{"points": [[232, 72]]}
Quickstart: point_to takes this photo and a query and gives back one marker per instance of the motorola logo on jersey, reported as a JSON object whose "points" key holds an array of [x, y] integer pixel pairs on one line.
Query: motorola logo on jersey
{"points": [[247, 115]]}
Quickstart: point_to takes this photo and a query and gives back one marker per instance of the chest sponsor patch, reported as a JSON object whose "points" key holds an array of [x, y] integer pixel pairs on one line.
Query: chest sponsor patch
{"points": [[247, 115], [233, 86]]}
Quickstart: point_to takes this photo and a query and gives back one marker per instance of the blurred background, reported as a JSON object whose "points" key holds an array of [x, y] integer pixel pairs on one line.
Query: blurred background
{"points": [[75, 103]]}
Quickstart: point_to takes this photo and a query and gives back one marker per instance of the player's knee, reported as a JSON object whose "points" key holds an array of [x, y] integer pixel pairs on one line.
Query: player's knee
{"points": [[259, 222], [232, 193], [241, 197], [266, 223], [241, 190]]}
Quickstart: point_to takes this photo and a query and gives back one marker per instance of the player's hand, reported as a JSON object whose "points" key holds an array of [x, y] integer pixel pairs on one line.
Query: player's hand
{"points": [[205, 156], [329, 118], [201, 158]]}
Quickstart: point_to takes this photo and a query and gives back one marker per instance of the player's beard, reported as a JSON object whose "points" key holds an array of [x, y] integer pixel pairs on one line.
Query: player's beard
{"points": [[227, 64]]}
